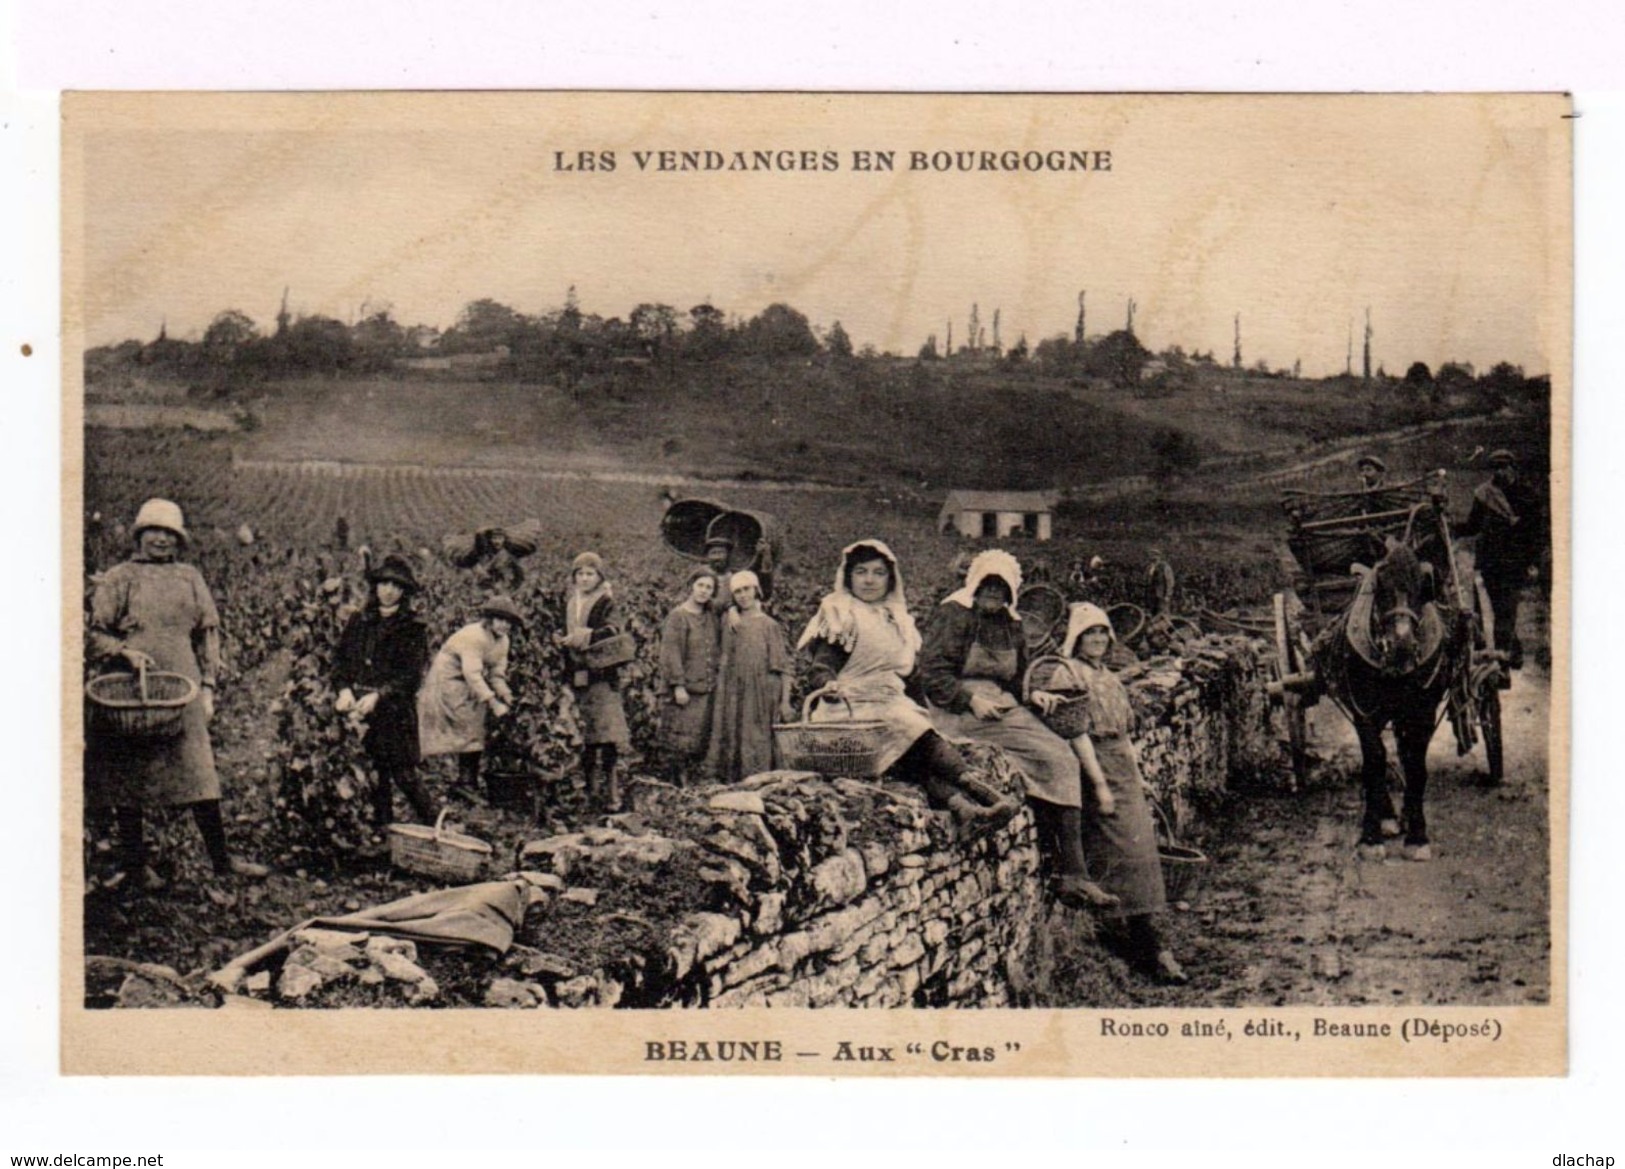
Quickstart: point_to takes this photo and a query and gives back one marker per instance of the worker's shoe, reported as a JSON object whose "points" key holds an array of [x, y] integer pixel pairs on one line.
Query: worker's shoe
{"points": [[1078, 892], [253, 870], [972, 820], [1167, 970]]}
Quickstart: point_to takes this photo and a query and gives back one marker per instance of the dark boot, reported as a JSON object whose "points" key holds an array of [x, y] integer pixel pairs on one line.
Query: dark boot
{"points": [[1071, 884], [467, 786], [417, 794], [213, 827], [1148, 954]]}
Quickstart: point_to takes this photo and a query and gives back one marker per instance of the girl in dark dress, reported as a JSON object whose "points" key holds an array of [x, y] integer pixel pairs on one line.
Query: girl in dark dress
{"points": [[379, 664], [590, 615]]}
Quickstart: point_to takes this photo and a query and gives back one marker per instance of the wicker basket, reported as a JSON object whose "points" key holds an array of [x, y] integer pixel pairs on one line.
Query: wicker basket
{"points": [[437, 852], [849, 747], [148, 704], [1070, 717], [1183, 867], [615, 650]]}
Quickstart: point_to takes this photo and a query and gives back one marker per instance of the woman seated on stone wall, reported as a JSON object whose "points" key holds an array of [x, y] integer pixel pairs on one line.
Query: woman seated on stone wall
{"points": [[971, 668], [863, 643]]}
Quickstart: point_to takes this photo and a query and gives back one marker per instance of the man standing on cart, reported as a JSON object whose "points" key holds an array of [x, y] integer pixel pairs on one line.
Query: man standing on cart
{"points": [[1506, 519]]}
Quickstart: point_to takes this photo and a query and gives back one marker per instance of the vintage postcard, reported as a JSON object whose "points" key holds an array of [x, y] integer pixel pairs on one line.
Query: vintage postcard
{"points": [[812, 584]]}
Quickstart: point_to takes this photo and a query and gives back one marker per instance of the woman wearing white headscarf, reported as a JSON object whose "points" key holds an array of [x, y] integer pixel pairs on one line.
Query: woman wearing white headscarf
{"points": [[154, 611], [1124, 843], [971, 668], [863, 643]]}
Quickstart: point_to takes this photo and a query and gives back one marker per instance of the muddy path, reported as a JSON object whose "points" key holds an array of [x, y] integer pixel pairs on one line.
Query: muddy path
{"points": [[1290, 915]]}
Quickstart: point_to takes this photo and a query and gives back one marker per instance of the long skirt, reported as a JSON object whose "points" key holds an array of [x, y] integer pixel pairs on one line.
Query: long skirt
{"points": [[603, 717], [167, 770], [688, 728], [1048, 766], [1122, 848]]}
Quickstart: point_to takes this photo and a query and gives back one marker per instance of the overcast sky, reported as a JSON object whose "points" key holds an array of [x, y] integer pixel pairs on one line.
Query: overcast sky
{"points": [[1446, 216]]}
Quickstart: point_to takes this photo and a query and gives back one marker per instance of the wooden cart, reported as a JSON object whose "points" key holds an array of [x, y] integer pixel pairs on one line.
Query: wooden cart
{"points": [[1330, 533]]}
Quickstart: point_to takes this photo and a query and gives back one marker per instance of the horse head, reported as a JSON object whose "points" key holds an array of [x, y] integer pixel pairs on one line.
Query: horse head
{"points": [[1400, 590]]}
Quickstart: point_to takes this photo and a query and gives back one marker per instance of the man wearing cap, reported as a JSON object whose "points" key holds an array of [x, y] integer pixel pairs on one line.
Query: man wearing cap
{"points": [[719, 552], [1373, 472], [1506, 519]]}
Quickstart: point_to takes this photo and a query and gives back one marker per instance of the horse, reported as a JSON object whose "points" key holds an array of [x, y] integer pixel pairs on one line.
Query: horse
{"points": [[1389, 659]]}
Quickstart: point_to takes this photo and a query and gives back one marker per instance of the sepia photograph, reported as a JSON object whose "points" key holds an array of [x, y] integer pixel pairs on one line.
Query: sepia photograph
{"points": [[691, 583]]}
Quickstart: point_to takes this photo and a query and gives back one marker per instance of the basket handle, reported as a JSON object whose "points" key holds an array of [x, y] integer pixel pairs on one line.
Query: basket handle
{"points": [[141, 681], [1066, 663], [439, 825], [821, 693]]}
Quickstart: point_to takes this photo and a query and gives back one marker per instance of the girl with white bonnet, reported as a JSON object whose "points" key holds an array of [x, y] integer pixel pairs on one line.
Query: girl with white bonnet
{"points": [[1124, 844], [753, 686], [971, 668], [863, 643]]}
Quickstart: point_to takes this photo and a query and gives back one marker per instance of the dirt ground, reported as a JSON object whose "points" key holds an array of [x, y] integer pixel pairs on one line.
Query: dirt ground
{"points": [[1290, 916]]}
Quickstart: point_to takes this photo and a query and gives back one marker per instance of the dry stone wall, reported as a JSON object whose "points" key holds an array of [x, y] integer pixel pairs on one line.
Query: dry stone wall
{"points": [[815, 892]]}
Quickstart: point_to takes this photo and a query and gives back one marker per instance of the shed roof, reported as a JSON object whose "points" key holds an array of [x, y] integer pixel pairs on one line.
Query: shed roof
{"points": [[1022, 501]]}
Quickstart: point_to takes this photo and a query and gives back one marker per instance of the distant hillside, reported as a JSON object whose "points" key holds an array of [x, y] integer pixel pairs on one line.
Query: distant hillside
{"points": [[927, 424]]}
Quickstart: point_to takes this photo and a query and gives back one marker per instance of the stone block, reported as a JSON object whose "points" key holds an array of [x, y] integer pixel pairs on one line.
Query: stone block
{"points": [[840, 879], [876, 860], [713, 932], [907, 952], [747, 966], [297, 982], [769, 914], [581, 991], [793, 949], [508, 993], [737, 801]]}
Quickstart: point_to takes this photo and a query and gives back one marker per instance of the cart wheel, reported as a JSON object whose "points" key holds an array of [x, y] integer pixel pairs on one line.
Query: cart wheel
{"points": [[1185, 627], [1288, 662], [1489, 725]]}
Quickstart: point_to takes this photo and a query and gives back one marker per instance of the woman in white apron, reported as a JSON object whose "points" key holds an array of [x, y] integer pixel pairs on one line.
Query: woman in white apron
{"points": [[863, 644]]}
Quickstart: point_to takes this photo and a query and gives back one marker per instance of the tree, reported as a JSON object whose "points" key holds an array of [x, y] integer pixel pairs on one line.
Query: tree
{"points": [[838, 343], [377, 340], [707, 336], [1119, 356], [1419, 375], [226, 335], [317, 345], [1057, 356], [654, 326], [482, 326], [780, 331], [1454, 375], [928, 351]]}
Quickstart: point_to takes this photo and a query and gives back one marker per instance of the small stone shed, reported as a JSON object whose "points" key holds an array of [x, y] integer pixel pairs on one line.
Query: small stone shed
{"points": [[995, 514]]}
